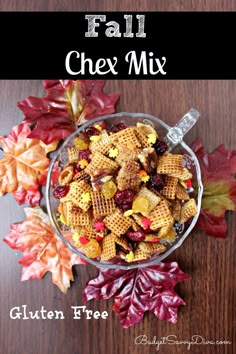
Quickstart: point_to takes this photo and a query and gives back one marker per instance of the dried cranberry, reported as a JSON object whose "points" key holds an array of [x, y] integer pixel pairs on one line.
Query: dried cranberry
{"points": [[125, 196], [85, 155], [125, 207], [148, 231], [61, 191], [156, 182], [118, 127], [77, 168], [90, 131], [84, 136], [160, 146], [124, 199], [136, 235]]}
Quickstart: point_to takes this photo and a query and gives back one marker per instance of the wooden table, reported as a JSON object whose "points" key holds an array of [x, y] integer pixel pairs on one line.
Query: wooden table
{"points": [[211, 293]]}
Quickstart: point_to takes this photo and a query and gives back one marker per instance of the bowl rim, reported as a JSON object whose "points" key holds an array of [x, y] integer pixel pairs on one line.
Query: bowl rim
{"points": [[148, 262]]}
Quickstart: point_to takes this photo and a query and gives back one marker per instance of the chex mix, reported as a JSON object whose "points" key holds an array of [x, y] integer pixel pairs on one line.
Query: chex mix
{"points": [[122, 194]]}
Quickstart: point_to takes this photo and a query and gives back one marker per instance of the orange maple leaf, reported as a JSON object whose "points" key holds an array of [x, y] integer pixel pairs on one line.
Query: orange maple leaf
{"points": [[24, 165], [42, 249]]}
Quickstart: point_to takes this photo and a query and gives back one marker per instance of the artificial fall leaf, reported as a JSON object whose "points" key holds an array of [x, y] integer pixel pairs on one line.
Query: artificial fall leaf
{"points": [[218, 176], [66, 105], [42, 249], [24, 165], [138, 290]]}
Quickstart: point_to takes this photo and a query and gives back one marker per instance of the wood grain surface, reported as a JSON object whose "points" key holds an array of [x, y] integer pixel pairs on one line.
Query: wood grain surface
{"points": [[210, 294]]}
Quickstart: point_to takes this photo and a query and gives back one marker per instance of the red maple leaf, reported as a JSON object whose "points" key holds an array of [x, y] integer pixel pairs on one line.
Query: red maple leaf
{"points": [[138, 290], [43, 251], [218, 176], [66, 105]]}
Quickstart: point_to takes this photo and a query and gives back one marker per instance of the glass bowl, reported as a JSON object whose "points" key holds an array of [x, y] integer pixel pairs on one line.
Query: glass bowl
{"points": [[173, 136]]}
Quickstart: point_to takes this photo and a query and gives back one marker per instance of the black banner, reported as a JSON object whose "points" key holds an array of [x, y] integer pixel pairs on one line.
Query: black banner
{"points": [[118, 45]]}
